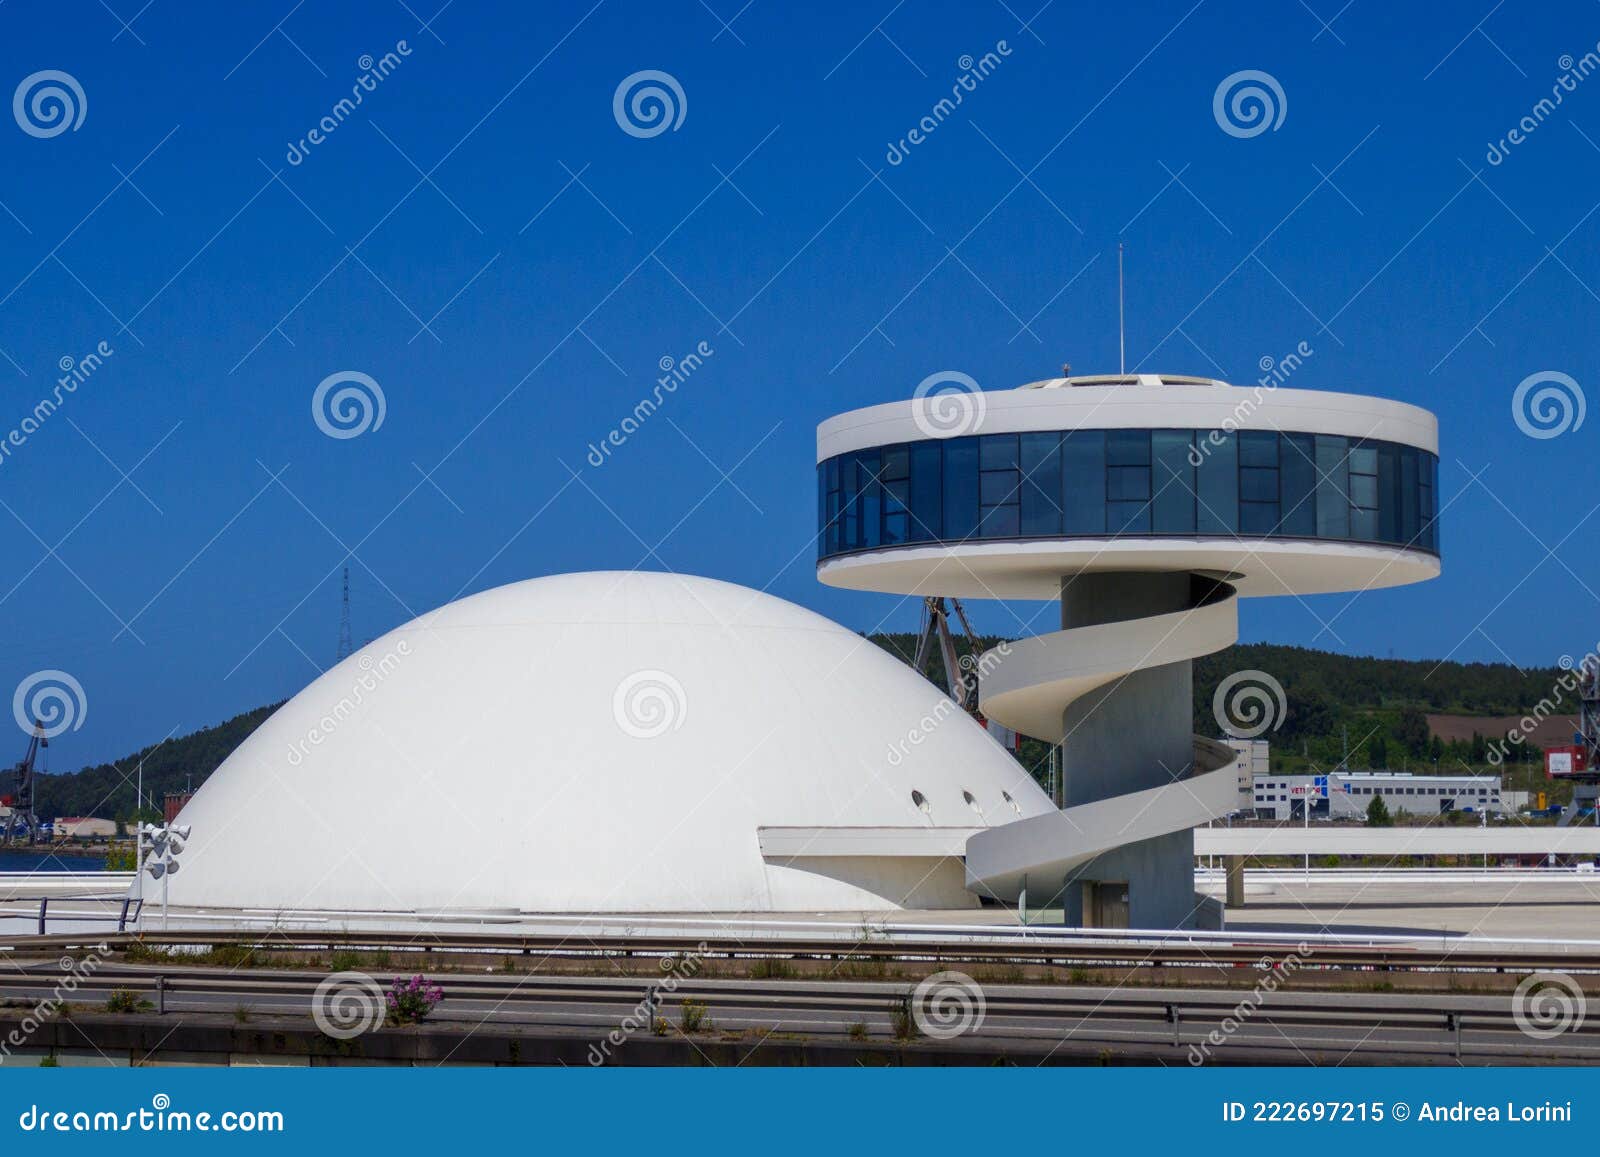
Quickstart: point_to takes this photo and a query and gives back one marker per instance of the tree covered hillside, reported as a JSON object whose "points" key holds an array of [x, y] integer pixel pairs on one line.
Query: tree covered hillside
{"points": [[1378, 706]]}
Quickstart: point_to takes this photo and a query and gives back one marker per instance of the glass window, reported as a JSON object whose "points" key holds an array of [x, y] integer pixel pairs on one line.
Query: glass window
{"points": [[849, 512], [869, 499], [1128, 517], [927, 468], [1218, 506], [1127, 447], [960, 489], [1258, 448], [1128, 483], [1173, 506], [1083, 482], [1041, 484], [997, 486], [1388, 493], [896, 479], [1410, 515], [1088, 483], [1258, 517], [1298, 474], [1333, 487], [999, 522], [1257, 484], [997, 452]]}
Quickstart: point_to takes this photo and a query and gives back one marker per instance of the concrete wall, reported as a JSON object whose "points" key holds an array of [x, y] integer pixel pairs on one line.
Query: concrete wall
{"points": [[1134, 733]]}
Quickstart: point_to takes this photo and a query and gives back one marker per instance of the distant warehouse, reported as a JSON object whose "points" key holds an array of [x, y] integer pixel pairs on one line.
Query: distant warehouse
{"points": [[1348, 794]]}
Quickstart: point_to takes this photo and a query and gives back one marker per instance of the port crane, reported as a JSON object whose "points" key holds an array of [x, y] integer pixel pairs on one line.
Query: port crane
{"points": [[22, 817]]}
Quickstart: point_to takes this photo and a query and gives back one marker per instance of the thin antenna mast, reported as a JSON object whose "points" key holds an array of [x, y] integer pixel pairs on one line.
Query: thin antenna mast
{"points": [[1122, 344], [344, 647]]}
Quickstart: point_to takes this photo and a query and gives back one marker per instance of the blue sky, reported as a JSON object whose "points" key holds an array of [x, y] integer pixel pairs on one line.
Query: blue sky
{"points": [[482, 238]]}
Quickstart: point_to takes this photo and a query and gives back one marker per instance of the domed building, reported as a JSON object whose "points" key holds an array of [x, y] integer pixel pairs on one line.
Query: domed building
{"points": [[606, 742]]}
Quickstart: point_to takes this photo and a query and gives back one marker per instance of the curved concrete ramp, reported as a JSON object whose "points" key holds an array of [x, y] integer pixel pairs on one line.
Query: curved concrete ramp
{"points": [[1028, 687]]}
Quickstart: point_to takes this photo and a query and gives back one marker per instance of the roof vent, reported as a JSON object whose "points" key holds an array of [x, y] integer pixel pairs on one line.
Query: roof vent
{"points": [[1121, 380]]}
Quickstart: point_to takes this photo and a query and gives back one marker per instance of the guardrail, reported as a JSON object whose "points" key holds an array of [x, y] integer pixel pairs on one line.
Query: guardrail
{"points": [[1053, 950], [1012, 1007], [128, 909]]}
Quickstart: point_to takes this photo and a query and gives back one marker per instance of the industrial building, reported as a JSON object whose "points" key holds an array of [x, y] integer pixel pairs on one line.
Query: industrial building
{"points": [[1348, 794]]}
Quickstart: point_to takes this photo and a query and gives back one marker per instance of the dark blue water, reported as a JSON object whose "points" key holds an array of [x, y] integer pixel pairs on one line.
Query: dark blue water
{"points": [[14, 861]]}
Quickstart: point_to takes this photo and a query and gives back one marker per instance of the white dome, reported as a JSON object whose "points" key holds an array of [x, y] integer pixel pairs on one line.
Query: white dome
{"points": [[605, 742]]}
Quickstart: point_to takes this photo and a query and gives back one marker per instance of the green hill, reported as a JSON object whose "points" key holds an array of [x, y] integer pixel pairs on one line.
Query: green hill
{"points": [[107, 789], [1377, 706]]}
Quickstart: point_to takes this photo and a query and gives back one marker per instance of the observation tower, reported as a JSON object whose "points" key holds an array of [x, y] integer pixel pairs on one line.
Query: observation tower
{"points": [[1147, 505]]}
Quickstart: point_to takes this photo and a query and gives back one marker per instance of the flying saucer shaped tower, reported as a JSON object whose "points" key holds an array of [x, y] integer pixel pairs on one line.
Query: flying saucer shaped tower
{"points": [[1147, 505]]}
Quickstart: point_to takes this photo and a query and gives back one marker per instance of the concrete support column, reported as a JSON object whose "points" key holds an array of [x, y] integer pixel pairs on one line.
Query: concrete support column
{"points": [[1234, 867], [1134, 733]]}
